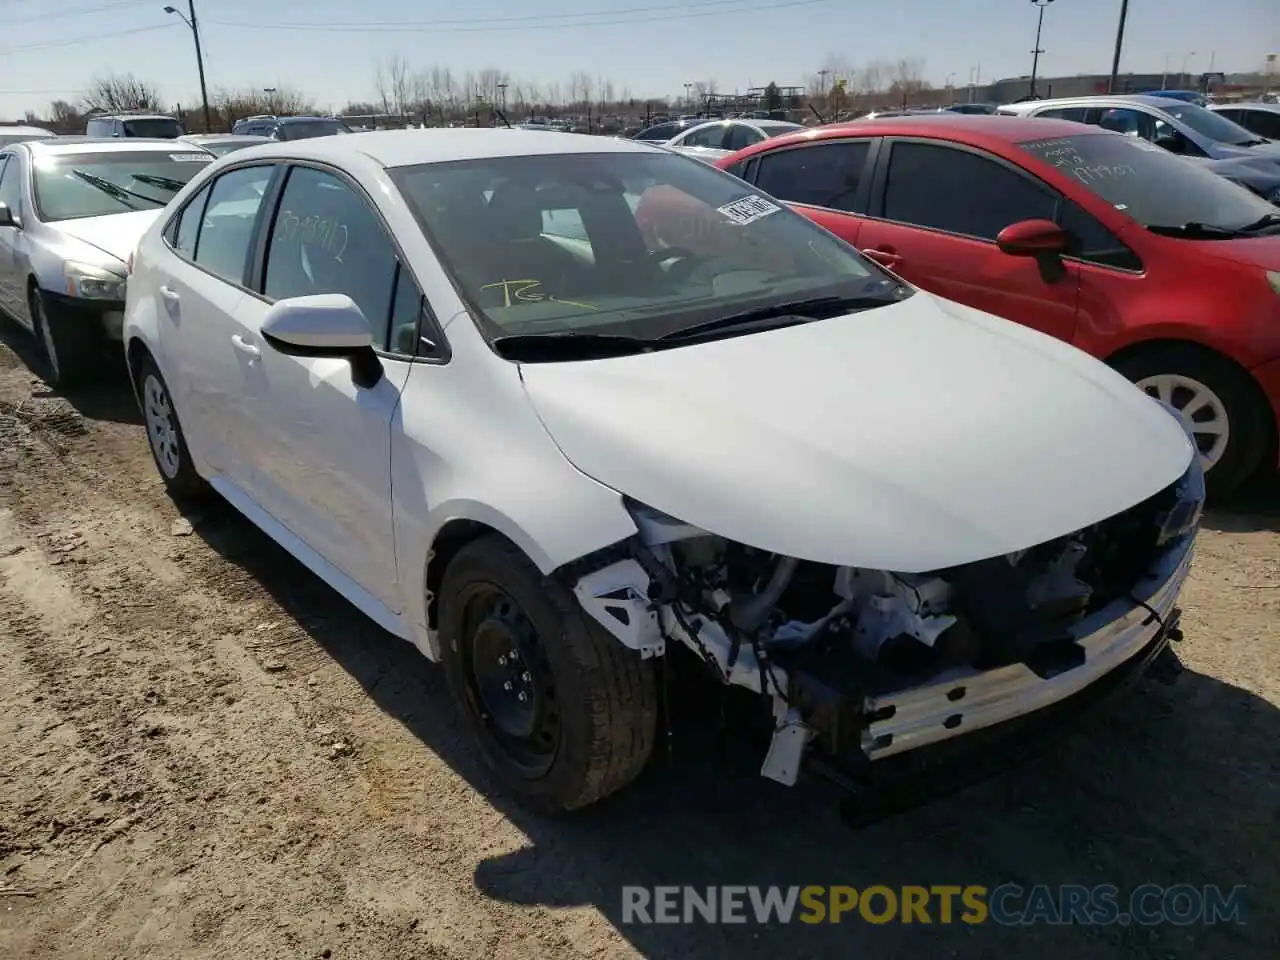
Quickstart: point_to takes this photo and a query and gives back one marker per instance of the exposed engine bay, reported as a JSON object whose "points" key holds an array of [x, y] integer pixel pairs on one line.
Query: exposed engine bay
{"points": [[832, 647]]}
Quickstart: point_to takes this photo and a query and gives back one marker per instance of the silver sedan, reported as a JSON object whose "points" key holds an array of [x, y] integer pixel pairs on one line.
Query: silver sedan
{"points": [[71, 212], [718, 138]]}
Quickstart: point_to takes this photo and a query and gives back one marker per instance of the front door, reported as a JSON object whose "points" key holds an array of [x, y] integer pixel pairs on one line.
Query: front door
{"points": [[321, 446], [13, 288], [933, 217]]}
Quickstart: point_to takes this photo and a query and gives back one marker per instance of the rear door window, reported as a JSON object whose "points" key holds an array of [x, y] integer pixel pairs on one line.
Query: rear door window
{"points": [[227, 229], [820, 175]]}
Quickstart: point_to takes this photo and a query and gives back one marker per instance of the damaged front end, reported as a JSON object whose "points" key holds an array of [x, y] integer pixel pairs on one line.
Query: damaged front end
{"points": [[862, 665]]}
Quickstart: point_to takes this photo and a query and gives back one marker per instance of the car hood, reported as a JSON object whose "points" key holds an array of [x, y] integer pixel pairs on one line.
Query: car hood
{"points": [[1260, 151], [910, 437], [116, 234]]}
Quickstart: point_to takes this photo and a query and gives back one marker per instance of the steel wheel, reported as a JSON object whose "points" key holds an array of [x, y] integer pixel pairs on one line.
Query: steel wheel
{"points": [[162, 429], [1204, 408], [509, 681]]}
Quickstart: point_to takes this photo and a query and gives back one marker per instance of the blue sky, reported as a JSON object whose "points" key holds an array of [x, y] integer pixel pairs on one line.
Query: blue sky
{"points": [[651, 47]]}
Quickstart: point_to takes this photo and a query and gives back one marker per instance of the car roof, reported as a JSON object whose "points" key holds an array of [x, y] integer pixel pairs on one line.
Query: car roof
{"points": [[11, 128], [405, 148], [1102, 99], [1247, 105], [132, 116], [62, 145], [223, 137], [973, 128]]}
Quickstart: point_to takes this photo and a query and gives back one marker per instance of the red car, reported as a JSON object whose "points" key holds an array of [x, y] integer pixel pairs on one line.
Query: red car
{"points": [[1167, 271]]}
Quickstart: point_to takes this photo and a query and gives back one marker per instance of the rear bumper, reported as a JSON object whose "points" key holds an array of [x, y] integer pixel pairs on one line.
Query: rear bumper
{"points": [[104, 315], [1268, 378]]}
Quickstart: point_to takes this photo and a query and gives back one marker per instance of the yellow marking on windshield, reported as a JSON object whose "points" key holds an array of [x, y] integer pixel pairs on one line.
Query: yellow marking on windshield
{"points": [[523, 292]]}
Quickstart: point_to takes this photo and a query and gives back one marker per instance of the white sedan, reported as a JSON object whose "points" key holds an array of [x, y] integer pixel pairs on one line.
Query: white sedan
{"points": [[548, 406], [718, 138]]}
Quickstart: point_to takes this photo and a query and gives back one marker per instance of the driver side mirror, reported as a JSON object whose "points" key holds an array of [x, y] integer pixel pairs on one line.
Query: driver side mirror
{"points": [[7, 217], [324, 325], [1042, 240]]}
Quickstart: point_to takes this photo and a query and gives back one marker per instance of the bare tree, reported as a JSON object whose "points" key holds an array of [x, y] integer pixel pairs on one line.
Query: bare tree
{"points": [[579, 88], [117, 92], [393, 82], [233, 105]]}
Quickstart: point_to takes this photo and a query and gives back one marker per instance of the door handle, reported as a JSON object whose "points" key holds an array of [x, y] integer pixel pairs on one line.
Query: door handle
{"points": [[169, 295], [244, 346], [885, 256]]}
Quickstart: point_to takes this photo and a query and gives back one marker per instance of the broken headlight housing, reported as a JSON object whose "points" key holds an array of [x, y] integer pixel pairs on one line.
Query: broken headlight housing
{"points": [[1189, 490]]}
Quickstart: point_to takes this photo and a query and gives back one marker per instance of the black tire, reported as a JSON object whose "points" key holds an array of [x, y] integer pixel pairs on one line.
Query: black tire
{"points": [[68, 349], [165, 439], [593, 701], [1250, 427]]}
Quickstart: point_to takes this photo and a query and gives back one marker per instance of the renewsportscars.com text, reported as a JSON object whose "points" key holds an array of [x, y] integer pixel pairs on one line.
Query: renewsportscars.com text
{"points": [[1006, 905]]}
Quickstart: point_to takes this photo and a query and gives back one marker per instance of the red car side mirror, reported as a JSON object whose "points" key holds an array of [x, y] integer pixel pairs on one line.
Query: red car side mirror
{"points": [[1032, 238]]}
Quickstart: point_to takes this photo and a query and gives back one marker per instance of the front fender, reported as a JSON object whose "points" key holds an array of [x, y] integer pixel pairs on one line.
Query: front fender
{"points": [[468, 446]]}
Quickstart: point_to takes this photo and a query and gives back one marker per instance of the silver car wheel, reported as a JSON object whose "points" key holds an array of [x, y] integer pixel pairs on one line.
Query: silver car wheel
{"points": [[40, 320], [162, 430], [1203, 407]]}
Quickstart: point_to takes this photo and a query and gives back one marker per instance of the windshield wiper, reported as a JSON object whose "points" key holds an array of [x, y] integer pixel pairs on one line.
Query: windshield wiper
{"points": [[778, 315], [1193, 229], [1256, 142], [1262, 223], [168, 183], [114, 189]]}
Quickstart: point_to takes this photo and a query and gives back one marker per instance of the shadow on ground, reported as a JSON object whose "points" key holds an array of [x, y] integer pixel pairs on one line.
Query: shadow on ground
{"points": [[1173, 784], [1254, 508], [105, 395]]}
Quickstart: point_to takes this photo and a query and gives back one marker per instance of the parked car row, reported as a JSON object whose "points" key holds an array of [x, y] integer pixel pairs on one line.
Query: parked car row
{"points": [[552, 407]]}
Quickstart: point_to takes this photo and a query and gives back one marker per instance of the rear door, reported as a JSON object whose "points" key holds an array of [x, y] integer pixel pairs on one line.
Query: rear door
{"points": [[200, 291], [827, 181], [933, 215]]}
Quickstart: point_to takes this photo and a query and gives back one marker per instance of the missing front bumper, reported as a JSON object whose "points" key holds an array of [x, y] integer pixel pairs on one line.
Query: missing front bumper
{"points": [[967, 724]]}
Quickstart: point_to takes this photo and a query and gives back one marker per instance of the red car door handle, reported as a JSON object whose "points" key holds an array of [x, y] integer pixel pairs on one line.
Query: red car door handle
{"points": [[884, 256]]}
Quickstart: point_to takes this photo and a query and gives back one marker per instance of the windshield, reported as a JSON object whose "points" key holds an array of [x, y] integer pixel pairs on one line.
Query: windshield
{"points": [[164, 128], [778, 129], [69, 186], [1149, 184], [1209, 124], [222, 147], [636, 244], [306, 129]]}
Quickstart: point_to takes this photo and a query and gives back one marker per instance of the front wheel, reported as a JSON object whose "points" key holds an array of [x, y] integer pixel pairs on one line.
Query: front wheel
{"points": [[67, 348], [1228, 414], [563, 713]]}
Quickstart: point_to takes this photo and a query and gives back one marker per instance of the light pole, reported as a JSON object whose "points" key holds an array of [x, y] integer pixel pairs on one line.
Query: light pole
{"points": [[502, 92], [1186, 61], [688, 96], [195, 33], [1035, 54], [271, 98], [1115, 59]]}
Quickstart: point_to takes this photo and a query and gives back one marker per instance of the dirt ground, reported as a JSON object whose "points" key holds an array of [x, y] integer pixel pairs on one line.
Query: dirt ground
{"points": [[206, 753]]}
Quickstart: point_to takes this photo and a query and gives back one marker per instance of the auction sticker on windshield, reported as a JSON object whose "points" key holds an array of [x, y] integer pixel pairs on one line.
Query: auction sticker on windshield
{"points": [[747, 209], [190, 157]]}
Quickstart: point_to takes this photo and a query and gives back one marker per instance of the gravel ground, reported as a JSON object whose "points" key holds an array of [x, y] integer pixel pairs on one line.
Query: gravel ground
{"points": [[206, 753]]}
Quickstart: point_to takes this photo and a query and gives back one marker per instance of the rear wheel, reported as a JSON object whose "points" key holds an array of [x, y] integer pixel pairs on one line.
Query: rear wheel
{"points": [[165, 438], [562, 712], [1226, 410]]}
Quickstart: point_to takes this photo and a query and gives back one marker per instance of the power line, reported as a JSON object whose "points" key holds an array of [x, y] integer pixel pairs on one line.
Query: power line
{"points": [[73, 41], [78, 12], [400, 24], [497, 24]]}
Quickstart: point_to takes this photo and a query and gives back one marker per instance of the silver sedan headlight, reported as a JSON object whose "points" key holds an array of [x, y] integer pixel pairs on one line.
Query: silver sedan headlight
{"points": [[88, 282]]}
